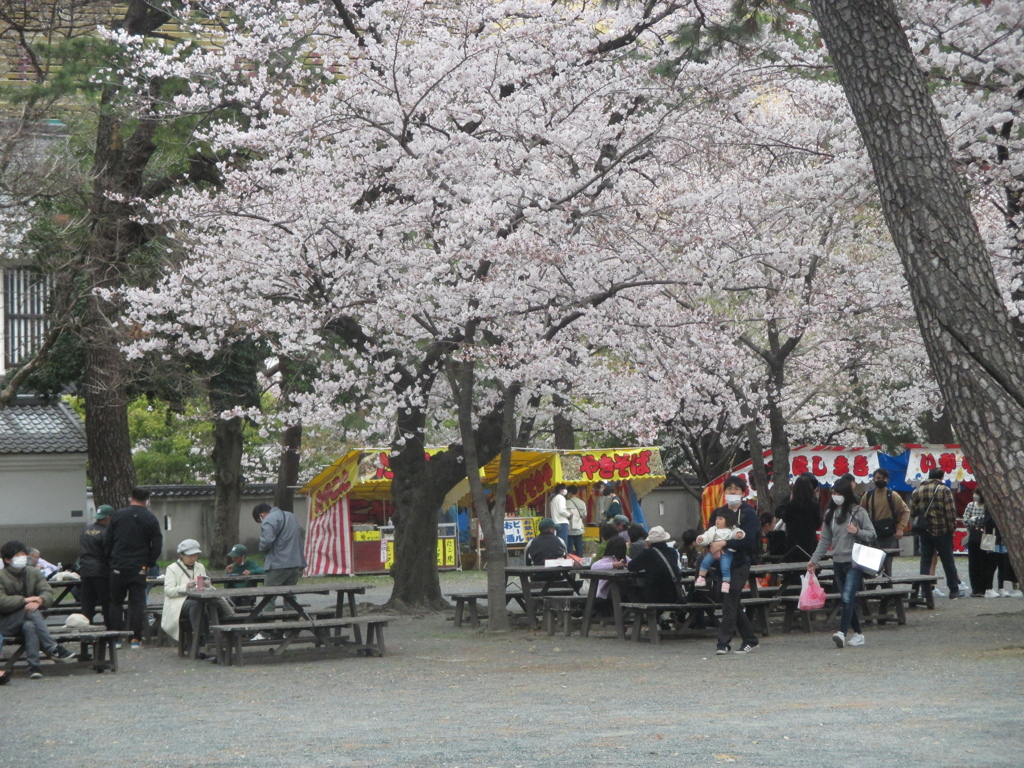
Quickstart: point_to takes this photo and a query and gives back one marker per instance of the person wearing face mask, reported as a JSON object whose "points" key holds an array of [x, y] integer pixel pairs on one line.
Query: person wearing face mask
{"points": [[560, 513], [981, 565], [846, 523], [745, 552], [889, 514], [24, 595]]}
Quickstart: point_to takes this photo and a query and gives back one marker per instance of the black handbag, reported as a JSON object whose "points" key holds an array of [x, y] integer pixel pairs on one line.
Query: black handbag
{"points": [[920, 523]]}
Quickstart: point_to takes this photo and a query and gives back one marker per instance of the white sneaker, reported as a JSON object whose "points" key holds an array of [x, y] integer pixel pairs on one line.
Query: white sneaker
{"points": [[857, 639], [938, 592], [1015, 593], [839, 639], [964, 588], [991, 593], [1004, 593]]}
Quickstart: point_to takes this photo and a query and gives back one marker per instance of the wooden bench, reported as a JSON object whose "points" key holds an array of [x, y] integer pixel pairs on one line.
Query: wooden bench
{"points": [[791, 603], [102, 642], [231, 638], [756, 609], [563, 606], [922, 588], [892, 598], [267, 618], [471, 600]]}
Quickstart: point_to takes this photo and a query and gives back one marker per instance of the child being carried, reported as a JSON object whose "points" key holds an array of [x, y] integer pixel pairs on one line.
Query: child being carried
{"points": [[723, 529]]}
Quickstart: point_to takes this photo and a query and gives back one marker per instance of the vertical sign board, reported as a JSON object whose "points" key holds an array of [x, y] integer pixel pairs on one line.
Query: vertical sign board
{"points": [[519, 530]]}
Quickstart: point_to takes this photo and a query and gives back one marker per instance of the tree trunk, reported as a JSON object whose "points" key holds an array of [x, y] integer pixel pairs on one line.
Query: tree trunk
{"points": [[967, 332], [565, 435], [106, 411], [780, 448], [758, 472], [228, 446], [288, 469]]}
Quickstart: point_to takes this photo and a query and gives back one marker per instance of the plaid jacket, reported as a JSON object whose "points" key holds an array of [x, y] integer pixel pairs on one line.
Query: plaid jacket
{"points": [[942, 515]]}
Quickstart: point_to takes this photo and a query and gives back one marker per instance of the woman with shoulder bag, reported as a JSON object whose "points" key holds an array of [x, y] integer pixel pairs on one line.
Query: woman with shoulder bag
{"points": [[846, 523], [980, 563]]}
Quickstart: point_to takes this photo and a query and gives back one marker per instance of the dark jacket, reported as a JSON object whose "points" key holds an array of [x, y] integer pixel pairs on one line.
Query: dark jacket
{"points": [[133, 540], [15, 587], [660, 583], [547, 546], [92, 558], [746, 551], [802, 524]]}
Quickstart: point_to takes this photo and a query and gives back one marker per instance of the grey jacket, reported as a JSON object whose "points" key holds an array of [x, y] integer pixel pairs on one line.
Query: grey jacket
{"points": [[281, 539], [834, 536], [15, 587]]}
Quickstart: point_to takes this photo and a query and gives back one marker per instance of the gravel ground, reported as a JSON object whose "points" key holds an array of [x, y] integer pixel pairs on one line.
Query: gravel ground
{"points": [[945, 690]]}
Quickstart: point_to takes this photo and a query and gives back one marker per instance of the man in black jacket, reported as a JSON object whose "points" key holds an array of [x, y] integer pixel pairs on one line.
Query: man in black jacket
{"points": [[745, 553], [94, 568], [132, 544]]}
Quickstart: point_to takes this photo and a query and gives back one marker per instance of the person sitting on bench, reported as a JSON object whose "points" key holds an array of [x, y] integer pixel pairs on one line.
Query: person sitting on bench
{"points": [[24, 594]]}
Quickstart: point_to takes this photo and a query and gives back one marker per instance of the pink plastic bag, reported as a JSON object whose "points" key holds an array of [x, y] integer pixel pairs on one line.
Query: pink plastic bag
{"points": [[812, 596]]}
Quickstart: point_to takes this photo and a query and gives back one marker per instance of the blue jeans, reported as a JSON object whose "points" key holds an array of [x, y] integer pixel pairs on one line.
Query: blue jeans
{"points": [[33, 630], [724, 563], [576, 544], [944, 546], [848, 580], [562, 529]]}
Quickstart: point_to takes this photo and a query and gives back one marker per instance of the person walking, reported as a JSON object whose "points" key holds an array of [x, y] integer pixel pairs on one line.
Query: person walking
{"points": [[846, 523], [745, 552], [132, 543], [281, 540], [889, 514], [934, 501]]}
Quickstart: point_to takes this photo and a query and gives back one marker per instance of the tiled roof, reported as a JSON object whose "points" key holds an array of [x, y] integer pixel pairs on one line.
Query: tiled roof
{"points": [[165, 491], [41, 428]]}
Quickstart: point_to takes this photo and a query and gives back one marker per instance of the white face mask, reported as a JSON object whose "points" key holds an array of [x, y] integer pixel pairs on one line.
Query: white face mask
{"points": [[838, 500], [19, 563], [733, 500], [977, 499]]}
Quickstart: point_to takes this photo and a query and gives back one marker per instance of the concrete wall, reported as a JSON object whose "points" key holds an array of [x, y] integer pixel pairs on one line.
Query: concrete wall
{"points": [[672, 508], [187, 517], [42, 488]]}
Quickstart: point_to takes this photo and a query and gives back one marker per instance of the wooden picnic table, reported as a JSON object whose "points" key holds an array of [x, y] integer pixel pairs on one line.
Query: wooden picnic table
{"points": [[64, 599], [265, 596], [560, 575], [617, 581]]}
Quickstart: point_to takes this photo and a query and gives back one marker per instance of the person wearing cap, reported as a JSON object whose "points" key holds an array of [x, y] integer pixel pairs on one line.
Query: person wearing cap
{"points": [[182, 575], [281, 540], [659, 563], [621, 523], [241, 565], [93, 567]]}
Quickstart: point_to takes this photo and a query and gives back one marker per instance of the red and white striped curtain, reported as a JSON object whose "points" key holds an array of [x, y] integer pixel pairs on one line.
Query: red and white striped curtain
{"points": [[329, 540]]}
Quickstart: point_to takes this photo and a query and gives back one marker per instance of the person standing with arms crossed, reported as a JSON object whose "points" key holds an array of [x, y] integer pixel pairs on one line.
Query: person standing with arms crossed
{"points": [[132, 543]]}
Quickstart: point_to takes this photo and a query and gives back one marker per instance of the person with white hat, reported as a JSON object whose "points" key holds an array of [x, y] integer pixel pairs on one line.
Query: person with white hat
{"points": [[659, 563], [184, 574]]}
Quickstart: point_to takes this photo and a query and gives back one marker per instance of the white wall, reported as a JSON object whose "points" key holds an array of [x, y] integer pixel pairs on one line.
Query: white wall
{"points": [[42, 488]]}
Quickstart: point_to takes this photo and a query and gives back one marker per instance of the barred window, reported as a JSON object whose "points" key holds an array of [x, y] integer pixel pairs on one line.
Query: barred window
{"points": [[26, 299]]}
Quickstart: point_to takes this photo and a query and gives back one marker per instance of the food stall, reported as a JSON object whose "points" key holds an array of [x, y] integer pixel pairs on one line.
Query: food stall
{"points": [[349, 529], [830, 462]]}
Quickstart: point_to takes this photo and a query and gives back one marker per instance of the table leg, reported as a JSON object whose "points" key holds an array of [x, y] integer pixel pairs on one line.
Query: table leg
{"points": [[616, 594], [588, 610], [528, 605]]}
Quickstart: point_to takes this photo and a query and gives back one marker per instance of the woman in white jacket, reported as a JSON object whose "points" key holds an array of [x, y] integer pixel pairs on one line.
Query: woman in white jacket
{"points": [[180, 576]]}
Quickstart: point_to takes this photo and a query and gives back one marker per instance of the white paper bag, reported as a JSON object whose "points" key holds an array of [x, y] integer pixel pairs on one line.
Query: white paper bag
{"points": [[559, 562], [868, 559]]}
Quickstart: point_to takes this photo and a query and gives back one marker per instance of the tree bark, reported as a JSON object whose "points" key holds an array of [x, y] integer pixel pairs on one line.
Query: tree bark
{"points": [[565, 434], [288, 469], [104, 378], [967, 331], [228, 446]]}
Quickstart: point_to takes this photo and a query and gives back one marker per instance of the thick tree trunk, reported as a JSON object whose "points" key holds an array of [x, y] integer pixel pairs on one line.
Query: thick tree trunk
{"points": [[288, 469], [228, 446], [106, 411], [967, 332], [565, 434]]}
